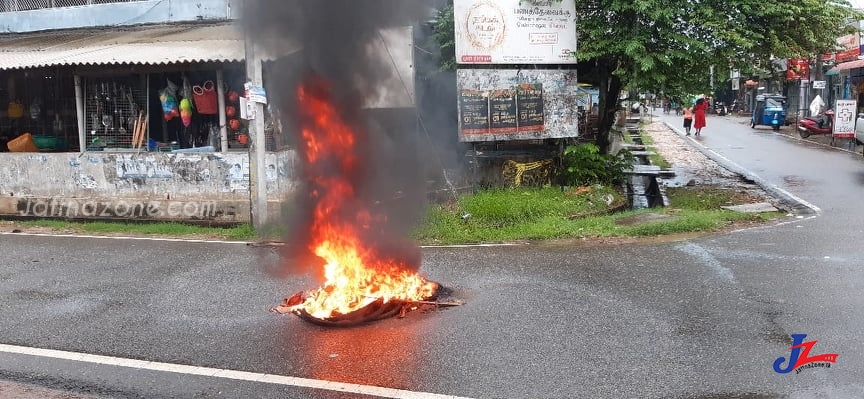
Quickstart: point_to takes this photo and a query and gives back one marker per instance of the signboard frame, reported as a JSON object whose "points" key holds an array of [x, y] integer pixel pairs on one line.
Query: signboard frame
{"points": [[515, 32], [844, 119]]}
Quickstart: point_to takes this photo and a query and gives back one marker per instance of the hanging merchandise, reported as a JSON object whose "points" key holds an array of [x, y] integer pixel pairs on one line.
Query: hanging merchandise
{"points": [[186, 111], [186, 92], [57, 124], [233, 96], [186, 106], [15, 110], [230, 111], [168, 97], [35, 109], [206, 101]]}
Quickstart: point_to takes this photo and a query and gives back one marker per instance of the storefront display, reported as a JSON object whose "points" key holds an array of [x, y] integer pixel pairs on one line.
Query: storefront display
{"points": [[119, 111]]}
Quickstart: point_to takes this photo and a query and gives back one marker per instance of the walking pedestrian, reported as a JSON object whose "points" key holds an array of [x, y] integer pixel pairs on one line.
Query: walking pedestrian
{"points": [[699, 115], [688, 119]]}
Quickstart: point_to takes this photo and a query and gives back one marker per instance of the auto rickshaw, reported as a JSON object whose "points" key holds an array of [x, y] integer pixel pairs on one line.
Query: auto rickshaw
{"points": [[769, 110]]}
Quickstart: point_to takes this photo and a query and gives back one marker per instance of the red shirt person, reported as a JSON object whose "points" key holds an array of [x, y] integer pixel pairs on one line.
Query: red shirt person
{"points": [[699, 115]]}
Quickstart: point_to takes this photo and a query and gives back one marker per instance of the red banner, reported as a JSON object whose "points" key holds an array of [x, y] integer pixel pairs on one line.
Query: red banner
{"points": [[848, 55], [797, 69]]}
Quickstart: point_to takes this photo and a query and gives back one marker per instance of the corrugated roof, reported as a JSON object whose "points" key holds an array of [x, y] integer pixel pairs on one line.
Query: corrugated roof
{"points": [[141, 45]]}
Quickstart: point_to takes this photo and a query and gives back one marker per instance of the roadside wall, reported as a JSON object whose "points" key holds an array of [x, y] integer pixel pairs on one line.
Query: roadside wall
{"points": [[149, 186]]}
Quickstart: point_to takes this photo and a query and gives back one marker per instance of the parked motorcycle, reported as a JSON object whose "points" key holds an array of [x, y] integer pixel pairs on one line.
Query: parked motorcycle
{"points": [[736, 107], [722, 108], [821, 124]]}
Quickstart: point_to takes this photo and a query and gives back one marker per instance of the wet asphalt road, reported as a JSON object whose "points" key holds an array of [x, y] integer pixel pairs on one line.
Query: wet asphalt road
{"points": [[702, 318]]}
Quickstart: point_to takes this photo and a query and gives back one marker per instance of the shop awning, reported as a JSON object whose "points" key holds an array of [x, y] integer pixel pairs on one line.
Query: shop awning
{"points": [[846, 65], [139, 45]]}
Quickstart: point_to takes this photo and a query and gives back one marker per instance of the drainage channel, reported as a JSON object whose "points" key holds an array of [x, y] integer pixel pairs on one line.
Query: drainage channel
{"points": [[643, 182]]}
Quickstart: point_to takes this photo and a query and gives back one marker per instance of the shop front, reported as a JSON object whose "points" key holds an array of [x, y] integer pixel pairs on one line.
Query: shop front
{"points": [[848, 82], [136, 114]]}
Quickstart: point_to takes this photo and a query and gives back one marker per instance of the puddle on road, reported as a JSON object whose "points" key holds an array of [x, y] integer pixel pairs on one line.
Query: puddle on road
{"points": [[793, 181]]}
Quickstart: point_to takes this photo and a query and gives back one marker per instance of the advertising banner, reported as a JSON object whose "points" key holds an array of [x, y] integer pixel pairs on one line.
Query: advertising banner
{"points": [[798, 69], [844, 118], [515, 31]]}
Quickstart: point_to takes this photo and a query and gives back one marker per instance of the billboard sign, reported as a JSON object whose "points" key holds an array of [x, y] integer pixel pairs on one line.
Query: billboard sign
{"points": [[797, 69], [844, 118], [515, 31]]}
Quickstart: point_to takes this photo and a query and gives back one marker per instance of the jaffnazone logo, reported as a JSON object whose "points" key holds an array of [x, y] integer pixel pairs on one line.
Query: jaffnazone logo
{"points": [[118, 208]]}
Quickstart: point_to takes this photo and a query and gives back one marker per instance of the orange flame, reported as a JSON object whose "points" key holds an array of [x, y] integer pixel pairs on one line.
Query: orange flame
{"points": [[355, 273]]}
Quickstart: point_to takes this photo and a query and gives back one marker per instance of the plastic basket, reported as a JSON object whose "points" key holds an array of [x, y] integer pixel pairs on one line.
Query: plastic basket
{"points": [[22, 143], [205, 97], [50, 143]]}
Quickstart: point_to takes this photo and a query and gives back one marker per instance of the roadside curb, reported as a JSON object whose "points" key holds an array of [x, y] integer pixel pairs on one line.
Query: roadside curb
{"points": [[794, 204]]}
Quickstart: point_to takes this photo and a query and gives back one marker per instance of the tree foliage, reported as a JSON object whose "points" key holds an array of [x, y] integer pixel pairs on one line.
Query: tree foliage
{"points": [[445, 35]]}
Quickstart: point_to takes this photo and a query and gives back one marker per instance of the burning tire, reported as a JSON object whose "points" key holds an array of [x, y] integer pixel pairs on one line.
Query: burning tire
{"points": [[372, 312]]}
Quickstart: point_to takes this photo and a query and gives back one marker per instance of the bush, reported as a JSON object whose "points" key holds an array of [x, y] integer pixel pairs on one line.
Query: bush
{"points": [[584, 165]]}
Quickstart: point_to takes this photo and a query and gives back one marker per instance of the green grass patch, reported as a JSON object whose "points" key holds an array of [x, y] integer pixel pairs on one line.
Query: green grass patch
{"points": [[658, 160], [500, 215], [704, 199], [542, 214], [655, 158], [625, 137]]}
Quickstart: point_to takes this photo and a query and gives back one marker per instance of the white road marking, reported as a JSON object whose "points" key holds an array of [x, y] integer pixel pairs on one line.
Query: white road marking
{"points": [[754, 177], [225, 374], [707, 259], [474, 245]]}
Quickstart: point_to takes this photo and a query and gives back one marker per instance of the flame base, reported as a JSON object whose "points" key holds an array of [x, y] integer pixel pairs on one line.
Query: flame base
{"points": [[374, 311]]}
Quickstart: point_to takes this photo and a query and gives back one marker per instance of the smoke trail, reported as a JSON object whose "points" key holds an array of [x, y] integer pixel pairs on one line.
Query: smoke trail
{"points": [[335, 37]]}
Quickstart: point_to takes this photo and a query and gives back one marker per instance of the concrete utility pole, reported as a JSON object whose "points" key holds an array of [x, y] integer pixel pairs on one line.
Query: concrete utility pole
{"points": [[257, 167], [711, 71], [82, 118]]}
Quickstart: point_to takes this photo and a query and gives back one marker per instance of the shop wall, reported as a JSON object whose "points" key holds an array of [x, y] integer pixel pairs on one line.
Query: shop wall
{"points": [[558, 119], [114, 14], [156, 186]]}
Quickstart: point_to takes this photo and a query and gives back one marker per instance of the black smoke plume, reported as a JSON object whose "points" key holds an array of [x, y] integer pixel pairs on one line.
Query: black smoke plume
{"points": [[332, 40]]}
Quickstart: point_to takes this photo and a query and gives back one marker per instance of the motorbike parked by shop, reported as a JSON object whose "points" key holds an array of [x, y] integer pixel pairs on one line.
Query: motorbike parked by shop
{"points": [[820, 124]]}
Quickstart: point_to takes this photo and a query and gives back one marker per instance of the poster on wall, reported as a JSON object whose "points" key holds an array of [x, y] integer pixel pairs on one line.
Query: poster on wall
{"points": [[531, 108], [515, 31], [502, 107], [544, 102], [474, 112], [507, 111], [844, 118]]}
